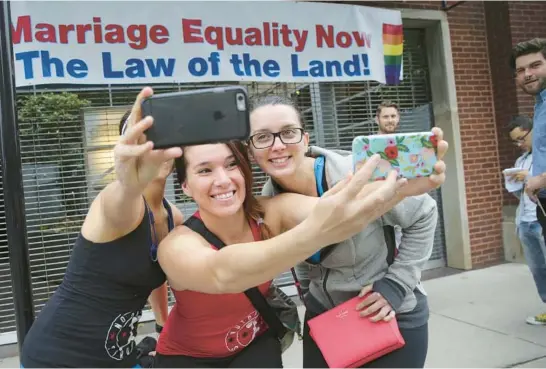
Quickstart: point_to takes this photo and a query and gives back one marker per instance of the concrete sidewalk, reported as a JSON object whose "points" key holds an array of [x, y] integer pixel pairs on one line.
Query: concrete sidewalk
{"points": [[477, 320]]}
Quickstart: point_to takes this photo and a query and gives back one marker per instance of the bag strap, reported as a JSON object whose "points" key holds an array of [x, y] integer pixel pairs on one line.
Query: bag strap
{"points": [[253, 294], [390, 240]]}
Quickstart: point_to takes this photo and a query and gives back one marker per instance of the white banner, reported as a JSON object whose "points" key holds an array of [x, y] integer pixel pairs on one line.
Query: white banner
{"points": [[125, 42]]}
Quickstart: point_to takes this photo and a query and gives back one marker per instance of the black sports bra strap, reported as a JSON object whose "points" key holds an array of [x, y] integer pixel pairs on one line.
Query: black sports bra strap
{"points": [[170, 217]]}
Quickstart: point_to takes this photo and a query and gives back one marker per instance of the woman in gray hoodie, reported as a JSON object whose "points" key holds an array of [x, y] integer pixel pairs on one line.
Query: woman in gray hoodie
{"points": [[280, 146]]}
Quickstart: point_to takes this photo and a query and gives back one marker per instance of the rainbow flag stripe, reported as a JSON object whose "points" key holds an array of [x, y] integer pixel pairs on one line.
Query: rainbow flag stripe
{"points": [[393, 48]]}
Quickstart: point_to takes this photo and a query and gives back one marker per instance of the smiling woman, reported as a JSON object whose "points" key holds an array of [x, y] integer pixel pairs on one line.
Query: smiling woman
{"points": [[205, 277]]}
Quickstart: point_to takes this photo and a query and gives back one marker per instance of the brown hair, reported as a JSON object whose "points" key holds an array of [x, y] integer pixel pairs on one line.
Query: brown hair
{"points": [[536, 45], [123, 120], [277, 100], [253, 209], [386, 104]]}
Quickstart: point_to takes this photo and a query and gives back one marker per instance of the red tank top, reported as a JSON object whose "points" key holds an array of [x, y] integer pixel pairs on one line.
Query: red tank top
{"points": [[211, 325]]}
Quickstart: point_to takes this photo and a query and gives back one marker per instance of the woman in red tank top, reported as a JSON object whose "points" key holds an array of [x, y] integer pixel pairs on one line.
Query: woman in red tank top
{"points": [[213, 323]]}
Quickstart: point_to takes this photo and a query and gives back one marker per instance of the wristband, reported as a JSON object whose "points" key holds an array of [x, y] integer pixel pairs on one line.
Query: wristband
{"points": [[158, 328]]}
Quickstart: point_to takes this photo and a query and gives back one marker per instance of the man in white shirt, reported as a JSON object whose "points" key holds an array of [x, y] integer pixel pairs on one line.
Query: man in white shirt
{"points": [[528, 228]]}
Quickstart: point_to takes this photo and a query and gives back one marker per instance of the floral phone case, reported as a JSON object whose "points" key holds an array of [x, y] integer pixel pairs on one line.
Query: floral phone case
{"points": [[412, 155]]}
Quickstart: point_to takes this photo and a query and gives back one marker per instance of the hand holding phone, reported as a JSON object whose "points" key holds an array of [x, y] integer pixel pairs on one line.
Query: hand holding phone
{"points": [[198, 116], [412, 155]]}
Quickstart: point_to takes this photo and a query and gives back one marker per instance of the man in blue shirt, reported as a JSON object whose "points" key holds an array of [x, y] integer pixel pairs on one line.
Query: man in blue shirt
{"points": [[529, 64]]}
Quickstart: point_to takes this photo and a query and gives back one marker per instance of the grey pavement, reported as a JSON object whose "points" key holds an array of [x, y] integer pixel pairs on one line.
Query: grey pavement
{"points": [[477, 321]]}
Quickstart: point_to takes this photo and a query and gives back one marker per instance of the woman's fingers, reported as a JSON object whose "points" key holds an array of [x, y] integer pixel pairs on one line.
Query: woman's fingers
{"points": [[339, 186], [125, 151], [441, 149], [161, 156], [368, 202], [360, 178], [134, 132], [136, 110]]}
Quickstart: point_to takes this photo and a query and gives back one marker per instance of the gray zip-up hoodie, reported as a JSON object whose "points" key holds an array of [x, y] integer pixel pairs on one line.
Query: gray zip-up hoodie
{"points": [[362, 259]]}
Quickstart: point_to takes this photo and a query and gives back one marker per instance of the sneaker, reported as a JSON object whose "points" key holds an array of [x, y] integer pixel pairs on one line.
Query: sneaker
{"points": [[539, 319]]}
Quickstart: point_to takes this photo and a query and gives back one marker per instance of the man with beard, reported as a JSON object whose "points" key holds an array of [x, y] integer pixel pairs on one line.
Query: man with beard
{"points": [[529, 64], [387, 117]]}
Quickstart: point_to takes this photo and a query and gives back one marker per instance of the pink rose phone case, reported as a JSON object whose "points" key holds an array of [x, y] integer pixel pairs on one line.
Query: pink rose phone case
{"points": [[412, 155]]}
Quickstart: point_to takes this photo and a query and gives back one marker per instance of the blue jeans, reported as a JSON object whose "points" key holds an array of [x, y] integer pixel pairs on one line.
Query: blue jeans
{"points": [[534, 249]]}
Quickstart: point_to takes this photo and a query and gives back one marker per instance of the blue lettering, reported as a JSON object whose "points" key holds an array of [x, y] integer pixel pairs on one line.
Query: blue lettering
{"points": [[27, 57], [48, 61], [366, 64], [214, 60], [272, 68], [354, 67], [198, 67], [138, 68], [76, 68], [249, 63], [316, 68], [296, 72], [237, 63], [162, 67], [135, 68], [107, 67]]}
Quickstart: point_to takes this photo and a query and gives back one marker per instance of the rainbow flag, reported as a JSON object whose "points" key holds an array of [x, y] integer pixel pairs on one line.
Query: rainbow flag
{"points": [[393, 47]]}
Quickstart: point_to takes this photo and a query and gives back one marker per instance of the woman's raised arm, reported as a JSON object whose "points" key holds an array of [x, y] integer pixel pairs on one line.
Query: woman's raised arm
{"points": [[191, 264]]}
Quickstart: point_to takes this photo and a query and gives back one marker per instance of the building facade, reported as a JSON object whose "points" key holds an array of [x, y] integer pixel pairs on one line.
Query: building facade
{"points": [[456, 77]]}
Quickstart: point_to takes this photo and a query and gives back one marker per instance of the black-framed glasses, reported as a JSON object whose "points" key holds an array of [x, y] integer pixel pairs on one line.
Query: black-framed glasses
{"points": [[519, 140], [289, 136]]}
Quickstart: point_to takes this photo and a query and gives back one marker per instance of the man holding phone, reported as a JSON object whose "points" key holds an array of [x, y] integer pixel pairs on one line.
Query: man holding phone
{"points": [[528, 228]]}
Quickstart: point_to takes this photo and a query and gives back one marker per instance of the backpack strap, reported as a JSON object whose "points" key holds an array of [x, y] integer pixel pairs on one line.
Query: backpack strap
{"points": [[390, 240], [253, 294]]}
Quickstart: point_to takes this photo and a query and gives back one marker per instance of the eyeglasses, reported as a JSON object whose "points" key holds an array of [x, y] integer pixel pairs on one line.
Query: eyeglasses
{"points": [[289, 136], [518, 141]]}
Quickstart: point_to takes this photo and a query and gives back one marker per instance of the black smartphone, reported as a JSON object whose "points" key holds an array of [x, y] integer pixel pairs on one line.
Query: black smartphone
{"points": [[196, 117]]}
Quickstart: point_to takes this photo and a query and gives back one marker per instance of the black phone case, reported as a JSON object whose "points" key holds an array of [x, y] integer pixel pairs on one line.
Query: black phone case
{"points": [[197, 117]]}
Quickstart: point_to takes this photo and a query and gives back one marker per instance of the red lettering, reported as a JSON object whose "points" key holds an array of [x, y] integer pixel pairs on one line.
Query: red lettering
{"points": [[138, 36], [115, 34], [213, 35], [324, 36], [81, 30], [46, 33], [362, 39], [64, 29], [97, 30], [159, 34], [253, 37], [191, 31], [236, 39], [343, 39], [22, 28]]}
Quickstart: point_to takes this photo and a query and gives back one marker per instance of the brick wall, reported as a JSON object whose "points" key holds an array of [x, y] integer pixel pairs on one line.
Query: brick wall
{"points": [[478, 131], [504, 90]]}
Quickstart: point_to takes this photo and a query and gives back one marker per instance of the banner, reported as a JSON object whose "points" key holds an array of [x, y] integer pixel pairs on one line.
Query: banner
{"points": [[124, 42]]}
